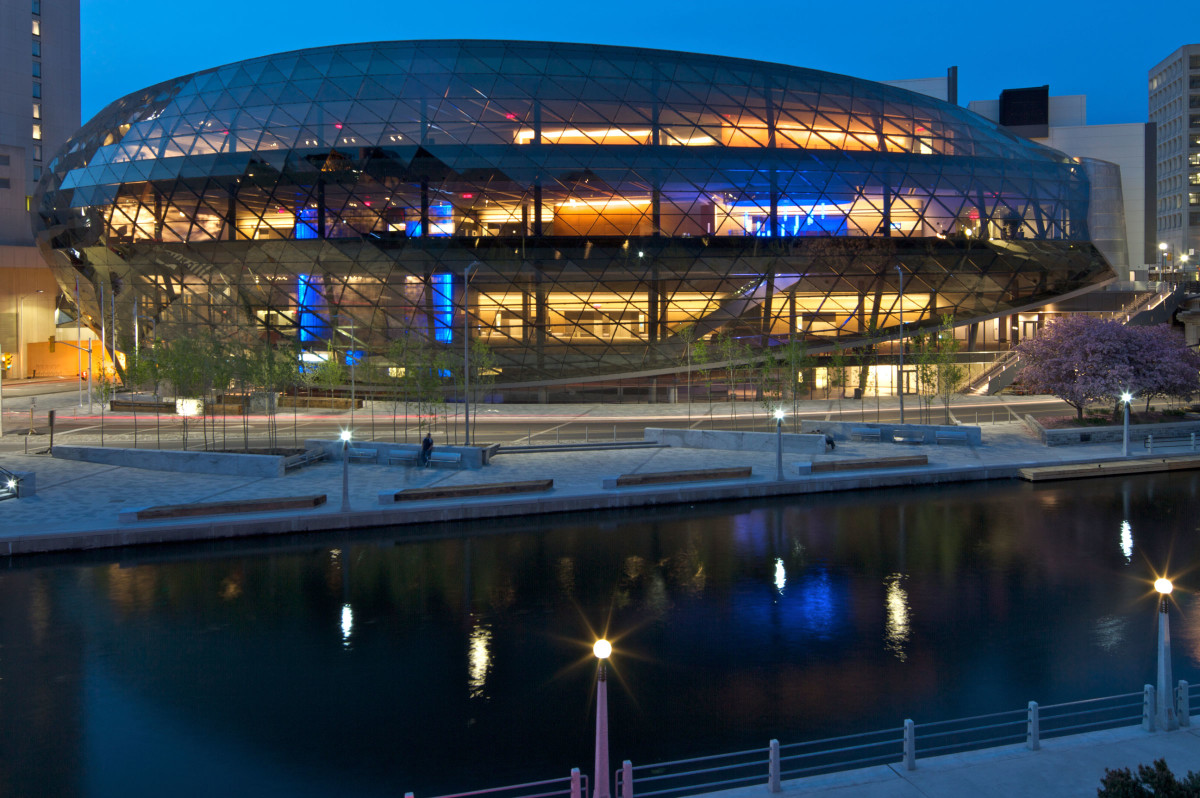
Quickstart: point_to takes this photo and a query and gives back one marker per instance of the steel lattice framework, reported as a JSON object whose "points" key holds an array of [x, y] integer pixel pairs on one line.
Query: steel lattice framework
{"points": [[603, 197]]}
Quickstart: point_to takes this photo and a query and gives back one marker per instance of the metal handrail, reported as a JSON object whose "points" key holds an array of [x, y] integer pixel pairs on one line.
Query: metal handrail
{"points": [[681, 777], [494, 790]]}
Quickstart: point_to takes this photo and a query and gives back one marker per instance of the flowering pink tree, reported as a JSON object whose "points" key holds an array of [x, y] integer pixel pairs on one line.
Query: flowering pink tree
{"points": [[1165, 366], [1082, 359]]}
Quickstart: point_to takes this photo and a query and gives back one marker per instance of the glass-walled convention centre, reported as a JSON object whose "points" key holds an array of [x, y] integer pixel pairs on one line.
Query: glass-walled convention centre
{"points": [[601, 199]]}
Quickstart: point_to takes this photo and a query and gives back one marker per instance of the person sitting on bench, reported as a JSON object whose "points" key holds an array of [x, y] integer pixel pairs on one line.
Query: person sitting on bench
{"points": [[426, 450]]}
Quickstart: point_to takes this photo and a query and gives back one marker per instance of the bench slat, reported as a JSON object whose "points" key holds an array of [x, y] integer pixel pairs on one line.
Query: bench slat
{"points": [[467, 491], [232, 506], [661, 477], [876, 462]]}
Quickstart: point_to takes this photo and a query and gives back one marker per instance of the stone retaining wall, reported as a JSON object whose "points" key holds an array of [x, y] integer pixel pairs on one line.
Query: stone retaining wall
{"points": [[736, 441], [1109, 434], [840, 430], [472, 456], [242, 465]]}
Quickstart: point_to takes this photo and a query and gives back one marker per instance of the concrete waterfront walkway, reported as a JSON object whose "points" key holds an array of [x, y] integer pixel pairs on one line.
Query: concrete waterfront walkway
{"points": [[1064, 768], [78, 504]]}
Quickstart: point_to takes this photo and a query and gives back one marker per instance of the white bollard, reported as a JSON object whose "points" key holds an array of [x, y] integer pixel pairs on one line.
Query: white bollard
{"points": [[910, 745], [576, 785], [1148, 709], [1033, 731], [626, 779], [773, 784], [1150, 443]]}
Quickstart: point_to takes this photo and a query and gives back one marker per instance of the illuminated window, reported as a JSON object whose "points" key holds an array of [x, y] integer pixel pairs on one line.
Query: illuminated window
{"points": [[37, 131], [37, 110], [37, 27]]}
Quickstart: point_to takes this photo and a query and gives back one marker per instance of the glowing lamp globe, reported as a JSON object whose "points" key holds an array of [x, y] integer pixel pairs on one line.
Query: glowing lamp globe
{"points": [[1163, 586], [602, 649]]}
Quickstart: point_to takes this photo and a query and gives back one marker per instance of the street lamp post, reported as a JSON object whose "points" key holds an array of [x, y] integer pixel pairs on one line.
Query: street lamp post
{"points": [[346, 470], [900, 372], [1126, 398], [779, 445], [467, 354], [602, 649], [1165, 719]]}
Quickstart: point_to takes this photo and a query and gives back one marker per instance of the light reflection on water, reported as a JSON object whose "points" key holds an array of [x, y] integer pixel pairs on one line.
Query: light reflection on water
{"points": [[737, 624]]}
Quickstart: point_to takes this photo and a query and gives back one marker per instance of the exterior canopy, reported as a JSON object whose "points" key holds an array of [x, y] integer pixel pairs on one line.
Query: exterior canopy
{"points": [[603, 198]]}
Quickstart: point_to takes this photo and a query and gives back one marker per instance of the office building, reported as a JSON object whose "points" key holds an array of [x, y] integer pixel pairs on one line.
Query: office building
{"points": [[1175, 110]]}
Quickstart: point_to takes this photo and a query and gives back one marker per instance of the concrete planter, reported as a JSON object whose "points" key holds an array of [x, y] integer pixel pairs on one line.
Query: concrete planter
{"points": [[841, 430], [736, 441], [1109, 434], [242, 465]]}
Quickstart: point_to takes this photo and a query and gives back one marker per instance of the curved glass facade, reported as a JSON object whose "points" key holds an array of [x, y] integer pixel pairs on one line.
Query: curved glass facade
{"points": [[602, 198]]}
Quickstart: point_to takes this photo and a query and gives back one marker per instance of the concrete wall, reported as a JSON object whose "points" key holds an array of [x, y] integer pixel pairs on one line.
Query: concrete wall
{"points": [[242, 465], [841, 430], [736, 441], [1110, 434], [472, 456]]}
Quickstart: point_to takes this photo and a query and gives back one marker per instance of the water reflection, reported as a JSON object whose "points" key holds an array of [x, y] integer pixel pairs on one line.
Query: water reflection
{"points": [[479, 660], [1127, 541], [896, 631], [738, 623]]}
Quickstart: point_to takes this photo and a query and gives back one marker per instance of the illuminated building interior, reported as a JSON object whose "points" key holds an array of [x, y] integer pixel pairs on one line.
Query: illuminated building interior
{"points": [[604, 198]]}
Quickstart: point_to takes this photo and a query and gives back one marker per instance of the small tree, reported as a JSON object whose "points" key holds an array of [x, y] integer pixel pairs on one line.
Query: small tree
{"points": [[796, 363], [837, 377], [689, 336], [1080, 359], [950, 372], [483, 374], [924, 356], [1163, 364], [1155, 780]]}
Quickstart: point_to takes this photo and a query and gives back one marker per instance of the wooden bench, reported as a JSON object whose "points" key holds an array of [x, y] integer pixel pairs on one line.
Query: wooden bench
{"points": [[667, 477], [1170, 439], [864, 433], [907, 461], [951, 436], [467, 491], [371, 455], [225, 507]]}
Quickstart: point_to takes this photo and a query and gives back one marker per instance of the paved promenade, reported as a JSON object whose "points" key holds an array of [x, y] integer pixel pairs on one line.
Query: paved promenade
{"points": [[1065, 767], [77, 504]]}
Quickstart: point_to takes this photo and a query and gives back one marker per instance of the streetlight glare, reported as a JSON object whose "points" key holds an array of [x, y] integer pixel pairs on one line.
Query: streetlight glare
{"points": [[346, 434], [602, 649], [1163, 586], [779, 414], [1127, 397]]}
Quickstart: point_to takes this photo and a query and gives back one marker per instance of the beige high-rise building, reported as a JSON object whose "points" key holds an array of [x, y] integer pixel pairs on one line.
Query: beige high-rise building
{"points": [[39, 110], [1175, 110]]}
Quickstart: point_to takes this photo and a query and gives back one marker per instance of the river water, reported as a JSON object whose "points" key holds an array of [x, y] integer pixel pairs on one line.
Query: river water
{"points": [[376, 663]]}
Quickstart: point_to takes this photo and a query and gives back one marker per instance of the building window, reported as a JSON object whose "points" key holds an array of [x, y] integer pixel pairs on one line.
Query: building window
{"points": [[37, 90], [37, 131], [37, 48], [4, 160], [37, 27], [4, 182], [37, 152], [37, 110], [37, 6], [37, 69]]}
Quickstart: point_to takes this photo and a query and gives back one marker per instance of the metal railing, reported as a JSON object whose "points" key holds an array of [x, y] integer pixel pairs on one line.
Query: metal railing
{"points": [[573, 786], [769, 766]]}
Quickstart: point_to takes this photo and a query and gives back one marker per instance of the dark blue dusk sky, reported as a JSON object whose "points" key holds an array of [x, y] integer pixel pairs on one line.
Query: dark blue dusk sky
{"points": [[1103, 49]]}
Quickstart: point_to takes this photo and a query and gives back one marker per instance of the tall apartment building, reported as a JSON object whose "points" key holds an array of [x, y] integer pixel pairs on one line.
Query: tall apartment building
{"points": [[1175, 109], [39, 110]]}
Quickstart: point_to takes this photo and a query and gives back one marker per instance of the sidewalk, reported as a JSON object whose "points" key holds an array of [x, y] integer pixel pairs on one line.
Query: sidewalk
{"points": [[1065, 767], [77, 504]]}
